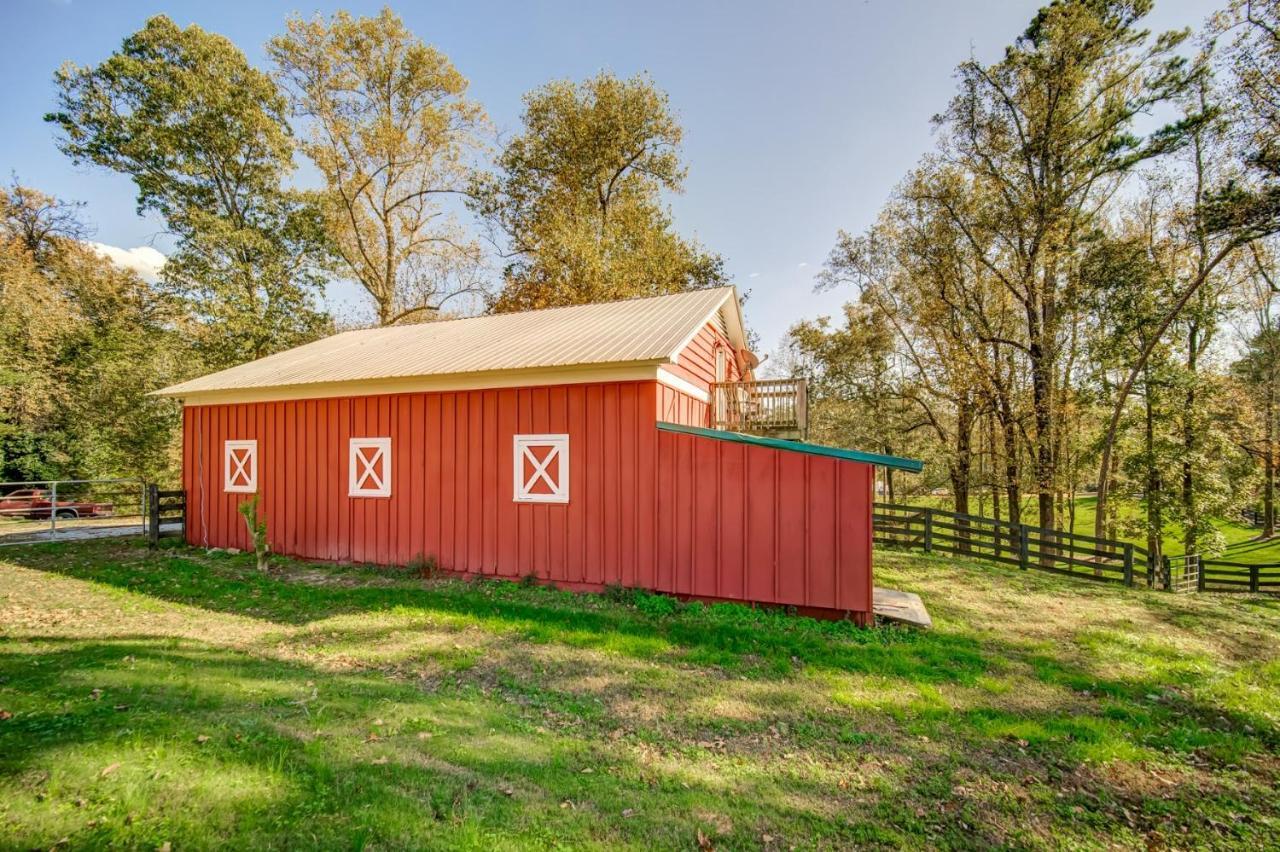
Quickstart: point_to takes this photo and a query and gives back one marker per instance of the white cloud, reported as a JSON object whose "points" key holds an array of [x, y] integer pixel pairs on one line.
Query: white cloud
{"points": [[143, 260], [802, 264], [754, 275]]}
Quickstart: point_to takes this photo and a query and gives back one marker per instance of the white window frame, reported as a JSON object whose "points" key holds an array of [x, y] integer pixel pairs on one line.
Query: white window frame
{"points": [[234, 464], [361, 469], [523, 447]]}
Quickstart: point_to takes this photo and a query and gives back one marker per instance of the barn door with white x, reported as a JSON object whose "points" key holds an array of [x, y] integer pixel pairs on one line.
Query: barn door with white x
{"points": [[542, 468], [240, 467], [369, 473]]}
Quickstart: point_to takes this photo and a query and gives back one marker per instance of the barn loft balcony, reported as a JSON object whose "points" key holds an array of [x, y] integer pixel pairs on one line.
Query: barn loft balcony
{"points": [[777, 408]]}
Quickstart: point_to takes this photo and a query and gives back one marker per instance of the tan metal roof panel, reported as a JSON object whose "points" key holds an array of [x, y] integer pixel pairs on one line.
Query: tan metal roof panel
{"points": [[630, 331]]}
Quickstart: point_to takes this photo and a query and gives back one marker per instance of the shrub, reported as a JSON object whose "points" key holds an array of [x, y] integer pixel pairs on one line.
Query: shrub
{"points": [[654, 604], [257, 531], [426, 567], [617, 593]]}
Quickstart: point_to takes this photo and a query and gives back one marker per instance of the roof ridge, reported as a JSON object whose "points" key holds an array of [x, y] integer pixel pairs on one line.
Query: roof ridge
{"points": [[546, 309], [634, 331]]}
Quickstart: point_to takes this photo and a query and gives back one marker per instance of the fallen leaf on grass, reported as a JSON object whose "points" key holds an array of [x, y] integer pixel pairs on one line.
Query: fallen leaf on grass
{"points": [[108, 770], [5, 715], [704, 842], [380, 761], [628, 812], [202, 739]]}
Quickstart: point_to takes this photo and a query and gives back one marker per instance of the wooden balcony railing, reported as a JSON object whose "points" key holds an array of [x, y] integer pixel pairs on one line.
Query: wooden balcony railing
{"points": [[764, 407]]}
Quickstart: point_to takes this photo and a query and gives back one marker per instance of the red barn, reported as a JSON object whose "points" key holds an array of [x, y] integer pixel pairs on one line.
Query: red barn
{"points": [[578, 445]]}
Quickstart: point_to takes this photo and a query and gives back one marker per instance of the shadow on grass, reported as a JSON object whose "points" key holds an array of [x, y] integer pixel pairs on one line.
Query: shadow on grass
{"points": [[749, 642], [204, 743], [208, 743]]}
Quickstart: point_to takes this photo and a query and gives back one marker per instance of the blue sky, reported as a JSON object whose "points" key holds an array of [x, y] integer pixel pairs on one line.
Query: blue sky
{"points": [[799, 117]]}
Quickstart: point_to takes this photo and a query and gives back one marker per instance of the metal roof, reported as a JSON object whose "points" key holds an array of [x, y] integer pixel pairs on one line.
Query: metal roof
{"points": [[648, 330], [911, 465]]}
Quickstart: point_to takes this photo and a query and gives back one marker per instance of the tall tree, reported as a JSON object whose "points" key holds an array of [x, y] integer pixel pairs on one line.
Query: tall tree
{"points": [[577, 198], [203, 135], [391, 130], [1243, 207], [1047, 133]]}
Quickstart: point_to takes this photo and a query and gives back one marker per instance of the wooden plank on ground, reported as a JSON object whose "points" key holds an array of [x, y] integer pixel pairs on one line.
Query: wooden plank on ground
{"points": [[900, 607]]}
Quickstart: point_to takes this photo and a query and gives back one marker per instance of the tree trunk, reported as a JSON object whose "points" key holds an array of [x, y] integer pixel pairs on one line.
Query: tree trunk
{"points": [[1155, 523], [1189, 443], [888, 475], [961, 471], [995, 486], [1043, 416], [1269, 465], [1112, 511]]}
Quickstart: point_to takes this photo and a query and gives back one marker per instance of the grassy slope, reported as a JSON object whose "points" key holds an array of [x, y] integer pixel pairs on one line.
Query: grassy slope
{"points": [[1242, 541], [178, 697]]}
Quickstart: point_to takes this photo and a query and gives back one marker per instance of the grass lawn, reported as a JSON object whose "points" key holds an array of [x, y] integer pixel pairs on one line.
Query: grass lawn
{"points": [[181, 698]]}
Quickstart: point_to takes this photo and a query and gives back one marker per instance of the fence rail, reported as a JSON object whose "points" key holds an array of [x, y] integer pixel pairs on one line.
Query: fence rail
{"points": [[1217, 575], [1020, 545], [1073, 554], [46, 510], [166, 513]]}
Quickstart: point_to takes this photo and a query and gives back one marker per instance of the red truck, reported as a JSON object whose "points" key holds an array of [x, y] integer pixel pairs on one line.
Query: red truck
{"points": [[34, 504]]}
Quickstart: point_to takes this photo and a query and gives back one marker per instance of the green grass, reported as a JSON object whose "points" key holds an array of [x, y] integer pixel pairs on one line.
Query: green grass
{"points": [[1242, 542], [178, 697]]}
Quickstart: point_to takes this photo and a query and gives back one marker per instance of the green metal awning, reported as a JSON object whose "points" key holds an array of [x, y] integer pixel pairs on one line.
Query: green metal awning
{"points": [[911, 465]]}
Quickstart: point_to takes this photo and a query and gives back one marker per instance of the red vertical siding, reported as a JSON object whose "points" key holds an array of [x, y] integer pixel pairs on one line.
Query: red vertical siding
{"points": [[678, 407], [792, 529], [677, 513]]}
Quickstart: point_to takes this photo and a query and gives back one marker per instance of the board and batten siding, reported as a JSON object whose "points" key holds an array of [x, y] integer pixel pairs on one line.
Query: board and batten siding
{"points": [[681, 514], [756, 523], [452, 486]]}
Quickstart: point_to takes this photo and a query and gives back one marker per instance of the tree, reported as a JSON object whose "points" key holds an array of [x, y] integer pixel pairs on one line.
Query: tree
{"points": [[1047, 134], [390, 129], [1259, 371], [1244, 207], [854, 389], [37, 220], [577, 198], [82, 343], [203, 135]]}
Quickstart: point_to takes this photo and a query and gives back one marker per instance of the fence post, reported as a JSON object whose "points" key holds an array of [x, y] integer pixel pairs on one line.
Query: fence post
{"points": [[1128, 565], [1199, 573], [153, 514], [1167, 570], [928, 531], [1024, 547], [1253, 578], [53, 507]]}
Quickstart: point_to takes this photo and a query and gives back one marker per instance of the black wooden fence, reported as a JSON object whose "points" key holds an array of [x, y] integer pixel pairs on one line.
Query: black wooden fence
{"points": [[1021, 545], [166, 513], [1072, 554], [1219, 576]]}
